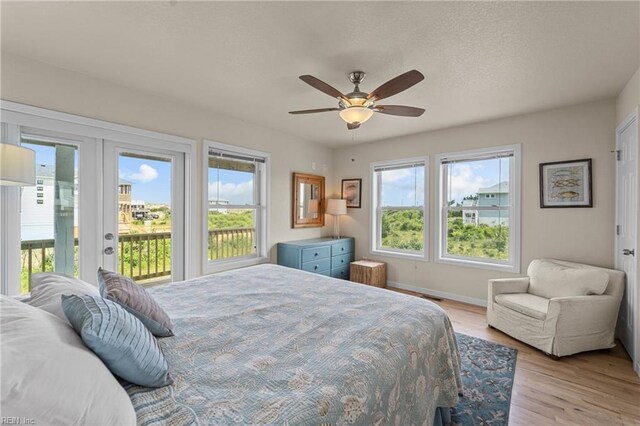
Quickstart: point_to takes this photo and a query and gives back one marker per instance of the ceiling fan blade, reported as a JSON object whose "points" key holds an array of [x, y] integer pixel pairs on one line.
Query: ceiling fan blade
{"points": [[312, 111], [396, 85], [323, 87], [353, 126], [404, 111]]}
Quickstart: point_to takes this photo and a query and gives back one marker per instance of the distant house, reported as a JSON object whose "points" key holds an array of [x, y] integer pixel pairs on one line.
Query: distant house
{"points": [[214, 206], [37, 205], [496, 195]]}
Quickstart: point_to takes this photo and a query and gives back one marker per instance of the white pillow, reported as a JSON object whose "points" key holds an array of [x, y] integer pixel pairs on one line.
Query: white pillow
{"points": [[47, 289], [50, 376], [549, 279]]}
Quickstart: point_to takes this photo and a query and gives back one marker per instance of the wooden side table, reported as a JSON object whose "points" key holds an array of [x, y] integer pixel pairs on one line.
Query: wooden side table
{"points": [[370, 273]]}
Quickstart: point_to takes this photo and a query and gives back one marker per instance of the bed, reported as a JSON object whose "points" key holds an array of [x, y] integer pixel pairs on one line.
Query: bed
{"points": [[274, 345]]}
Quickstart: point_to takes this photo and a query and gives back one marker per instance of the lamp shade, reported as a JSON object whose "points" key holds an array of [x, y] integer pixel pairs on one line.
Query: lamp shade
{"points": [[17, 165], [336, 207], [356, 114]]}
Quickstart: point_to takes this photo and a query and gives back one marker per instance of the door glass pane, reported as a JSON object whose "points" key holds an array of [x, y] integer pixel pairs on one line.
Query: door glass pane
{"points": [[144, 217], [49, 212], [232, 208]]}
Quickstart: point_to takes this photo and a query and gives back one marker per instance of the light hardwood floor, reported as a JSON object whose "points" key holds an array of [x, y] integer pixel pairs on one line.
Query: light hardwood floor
{"points": [[592, 388]]}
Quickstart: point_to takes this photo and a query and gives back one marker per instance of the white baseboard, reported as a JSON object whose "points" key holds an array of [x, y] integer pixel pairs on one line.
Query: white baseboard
{"points": [[438, 294]]}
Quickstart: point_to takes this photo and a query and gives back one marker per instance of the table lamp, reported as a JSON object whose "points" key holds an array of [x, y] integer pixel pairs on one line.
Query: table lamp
{"points": [[17, 165], [336, 208]]}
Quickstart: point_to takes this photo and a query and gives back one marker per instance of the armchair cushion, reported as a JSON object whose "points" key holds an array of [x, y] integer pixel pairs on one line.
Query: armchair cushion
{"points": [[525, 303], [549, 279]]}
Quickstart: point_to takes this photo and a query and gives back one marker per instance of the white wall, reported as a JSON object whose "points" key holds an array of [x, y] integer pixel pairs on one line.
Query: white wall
{"points": [[578, 234], [629, 98], [41, 85]]}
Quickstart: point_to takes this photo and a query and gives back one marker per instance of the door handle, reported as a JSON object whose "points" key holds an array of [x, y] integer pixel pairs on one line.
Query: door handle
{"points": [[108, 250], [628, 252], [108, 236]]}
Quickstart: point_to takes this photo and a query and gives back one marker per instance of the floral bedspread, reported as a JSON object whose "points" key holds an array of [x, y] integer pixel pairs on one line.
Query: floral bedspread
{"points": [[274, 345]]}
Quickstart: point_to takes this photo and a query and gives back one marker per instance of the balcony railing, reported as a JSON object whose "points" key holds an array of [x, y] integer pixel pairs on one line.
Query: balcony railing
{"points": [[140, 256]]}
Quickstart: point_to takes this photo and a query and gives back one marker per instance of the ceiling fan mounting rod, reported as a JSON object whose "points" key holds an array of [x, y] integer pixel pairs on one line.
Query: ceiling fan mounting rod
{"points": [[356, 78]]}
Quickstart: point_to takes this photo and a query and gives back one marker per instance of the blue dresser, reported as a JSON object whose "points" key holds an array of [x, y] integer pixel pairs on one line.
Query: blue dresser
{"points": [[326, 256]]}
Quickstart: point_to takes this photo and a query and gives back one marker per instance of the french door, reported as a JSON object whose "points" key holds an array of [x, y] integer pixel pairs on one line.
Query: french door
{"points": [[143, 223]]}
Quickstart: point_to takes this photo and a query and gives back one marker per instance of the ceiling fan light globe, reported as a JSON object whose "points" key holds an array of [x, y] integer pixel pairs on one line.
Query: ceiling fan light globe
{"points": [[356, 114]]}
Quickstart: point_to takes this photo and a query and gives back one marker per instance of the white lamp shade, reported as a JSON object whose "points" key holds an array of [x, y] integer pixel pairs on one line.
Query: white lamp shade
{"points": [[336, 207], [17, 165], [356, 114]]}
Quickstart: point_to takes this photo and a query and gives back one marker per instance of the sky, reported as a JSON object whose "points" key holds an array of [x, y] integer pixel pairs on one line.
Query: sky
{"points": [[233, 186], [468, 177], [151, 179], [404, 187], [399, 187]]}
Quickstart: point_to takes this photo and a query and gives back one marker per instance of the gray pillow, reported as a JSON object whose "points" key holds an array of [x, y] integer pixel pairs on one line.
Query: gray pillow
{"points": [[119, 339], [135, 299]]}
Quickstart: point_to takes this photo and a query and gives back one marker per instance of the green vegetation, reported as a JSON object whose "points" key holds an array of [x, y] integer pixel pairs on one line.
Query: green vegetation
{"points": [[403, 229], [231, 234], [484, 241], [231, 220]]}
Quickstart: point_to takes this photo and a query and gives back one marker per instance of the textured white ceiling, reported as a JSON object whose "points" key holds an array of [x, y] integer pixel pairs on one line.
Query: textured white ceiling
{"points": [[481, 60]]}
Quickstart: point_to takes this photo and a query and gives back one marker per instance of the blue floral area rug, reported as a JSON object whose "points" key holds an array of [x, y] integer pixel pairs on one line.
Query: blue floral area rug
{"points": [[487, 376]]}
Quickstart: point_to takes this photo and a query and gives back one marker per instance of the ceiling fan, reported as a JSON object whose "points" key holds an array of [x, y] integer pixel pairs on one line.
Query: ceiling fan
{"points": [[357, 107]]}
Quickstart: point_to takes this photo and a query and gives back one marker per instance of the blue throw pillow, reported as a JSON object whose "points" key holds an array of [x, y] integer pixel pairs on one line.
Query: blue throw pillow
{"points": [[119, 339]]}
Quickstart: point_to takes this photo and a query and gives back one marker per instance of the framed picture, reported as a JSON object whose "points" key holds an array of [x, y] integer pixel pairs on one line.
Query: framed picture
{"points": [[566, 184], [352, 192]]}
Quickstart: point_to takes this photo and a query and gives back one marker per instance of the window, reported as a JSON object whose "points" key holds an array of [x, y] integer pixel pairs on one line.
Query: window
{"points": [[399, 208], [479, 199], [236, 204]]}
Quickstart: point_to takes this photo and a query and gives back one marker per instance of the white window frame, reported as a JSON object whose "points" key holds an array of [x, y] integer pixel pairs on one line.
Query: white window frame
{"points": [[376, 212], [513, 264], [262, 204]]}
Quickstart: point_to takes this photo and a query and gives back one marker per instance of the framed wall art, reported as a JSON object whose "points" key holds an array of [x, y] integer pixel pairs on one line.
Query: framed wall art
{"points": [[566, 184], [352, 192]]}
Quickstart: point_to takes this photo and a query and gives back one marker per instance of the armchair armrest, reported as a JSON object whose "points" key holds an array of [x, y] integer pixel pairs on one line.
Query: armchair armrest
{"points": [[507, 285], [583, 314]]}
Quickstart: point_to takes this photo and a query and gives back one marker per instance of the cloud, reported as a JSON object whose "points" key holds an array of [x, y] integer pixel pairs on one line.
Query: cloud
{"points": [[465, 181], [145, 174], [234, 193]]}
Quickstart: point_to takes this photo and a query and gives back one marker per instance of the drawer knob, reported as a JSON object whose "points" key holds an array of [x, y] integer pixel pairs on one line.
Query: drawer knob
{"points": [[342, 261], [315, 267], [315, 254], [342, 249]]}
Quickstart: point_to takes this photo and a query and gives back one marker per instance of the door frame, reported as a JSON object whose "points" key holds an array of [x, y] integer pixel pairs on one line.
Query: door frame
{"points": [[16, 114], [111, 154], [629, 120]]}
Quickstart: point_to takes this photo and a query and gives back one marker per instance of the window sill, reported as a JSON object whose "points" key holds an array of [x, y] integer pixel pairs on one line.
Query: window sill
{"points": [[213, 266], [478, 264], [399, 255]]}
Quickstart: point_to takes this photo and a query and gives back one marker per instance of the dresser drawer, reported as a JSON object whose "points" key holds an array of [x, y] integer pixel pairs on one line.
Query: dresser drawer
{"points": [[341, 260], [317, 266], [341, 272], [341, 247], [315, 253]]}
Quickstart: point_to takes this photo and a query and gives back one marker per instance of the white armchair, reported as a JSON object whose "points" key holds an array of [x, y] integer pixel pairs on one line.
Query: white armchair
{"points": [[561, 308]]}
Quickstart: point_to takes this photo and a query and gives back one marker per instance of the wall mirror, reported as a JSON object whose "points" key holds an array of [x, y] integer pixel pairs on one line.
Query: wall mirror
{"points": [[308, 200]]}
